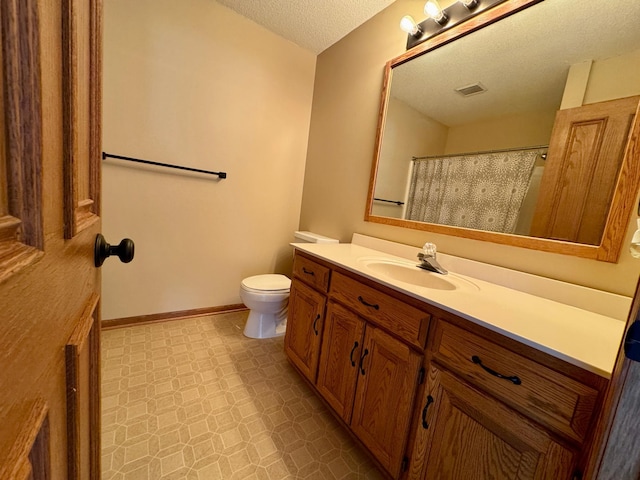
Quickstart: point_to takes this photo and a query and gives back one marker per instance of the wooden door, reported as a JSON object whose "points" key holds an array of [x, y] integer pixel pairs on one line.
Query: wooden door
{"points": [[340, 359], [468, 435], [614, 456], [49, 219], [304, 328], [580, 174], [387, 381]]}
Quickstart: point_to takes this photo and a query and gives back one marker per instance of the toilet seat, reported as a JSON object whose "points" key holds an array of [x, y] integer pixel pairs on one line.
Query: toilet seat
{"points": [[269, 283]]}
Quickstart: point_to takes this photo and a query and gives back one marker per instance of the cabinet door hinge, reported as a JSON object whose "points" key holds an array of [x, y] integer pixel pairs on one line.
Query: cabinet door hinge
{"points": [[405, 464], [421, 376]]}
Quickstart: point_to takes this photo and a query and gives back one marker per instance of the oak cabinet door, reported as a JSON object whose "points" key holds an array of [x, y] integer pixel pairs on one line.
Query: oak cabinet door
{"points": [[340, 359], [304, 328], [386, 386], [467, 435]]}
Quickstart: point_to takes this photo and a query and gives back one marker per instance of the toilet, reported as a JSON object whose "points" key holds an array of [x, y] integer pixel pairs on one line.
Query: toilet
{"points": [[267, 296]]}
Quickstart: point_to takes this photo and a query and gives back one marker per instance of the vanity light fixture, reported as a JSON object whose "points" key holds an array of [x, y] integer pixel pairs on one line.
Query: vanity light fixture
{"points": [[440, 19]]}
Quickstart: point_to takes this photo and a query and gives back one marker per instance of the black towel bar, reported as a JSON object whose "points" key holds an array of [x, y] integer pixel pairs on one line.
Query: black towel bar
{"points": [[158, 164], [397, 202]]}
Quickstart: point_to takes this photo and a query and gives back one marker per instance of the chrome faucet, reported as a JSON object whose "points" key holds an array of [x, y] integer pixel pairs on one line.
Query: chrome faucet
{"points": [[428, 259]]}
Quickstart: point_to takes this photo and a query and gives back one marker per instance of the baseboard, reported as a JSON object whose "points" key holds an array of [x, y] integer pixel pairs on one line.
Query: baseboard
{"points": [[163, 317]]}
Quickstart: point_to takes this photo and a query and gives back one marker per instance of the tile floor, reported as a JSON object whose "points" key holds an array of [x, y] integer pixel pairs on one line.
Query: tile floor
{"points": [[195, 399]]}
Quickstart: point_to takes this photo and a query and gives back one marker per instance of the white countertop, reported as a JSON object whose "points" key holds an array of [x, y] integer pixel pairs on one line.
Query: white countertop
{"points": [[578, 336]]}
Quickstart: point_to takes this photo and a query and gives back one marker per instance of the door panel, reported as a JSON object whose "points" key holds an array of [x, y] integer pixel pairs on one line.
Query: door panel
{"points": [[303, 334], [21, 222], [47, 283], [471, 436], [585, 155], [81, 34], [83, 401], [384, 396], [28, 456], [339, 359]]}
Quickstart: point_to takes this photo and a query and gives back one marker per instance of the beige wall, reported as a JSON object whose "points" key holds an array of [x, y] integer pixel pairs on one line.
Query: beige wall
{"points": [[512, 131], [615, 77], [407, 133], [192, 83], [343, 126]]}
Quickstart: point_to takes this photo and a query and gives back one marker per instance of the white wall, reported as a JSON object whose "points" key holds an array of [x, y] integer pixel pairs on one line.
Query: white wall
{"points": [[191, 82]]}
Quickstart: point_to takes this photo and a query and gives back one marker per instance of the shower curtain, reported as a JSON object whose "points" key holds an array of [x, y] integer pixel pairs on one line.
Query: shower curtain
{"points": [[481, 191]]}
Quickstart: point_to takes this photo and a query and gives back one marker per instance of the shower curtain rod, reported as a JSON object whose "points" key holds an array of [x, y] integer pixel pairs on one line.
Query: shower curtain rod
{"points": [[449, 155], [397, 202], [168, 165]]}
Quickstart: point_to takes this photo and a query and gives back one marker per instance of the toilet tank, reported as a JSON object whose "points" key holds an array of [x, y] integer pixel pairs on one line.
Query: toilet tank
{"points": [[310, 237]]}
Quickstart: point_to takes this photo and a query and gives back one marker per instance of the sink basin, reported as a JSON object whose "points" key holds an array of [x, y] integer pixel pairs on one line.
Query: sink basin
{"points": [[408, 272]]}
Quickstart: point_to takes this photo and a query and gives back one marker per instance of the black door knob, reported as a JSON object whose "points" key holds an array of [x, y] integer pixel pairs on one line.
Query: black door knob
{"points": [[102, 250]]}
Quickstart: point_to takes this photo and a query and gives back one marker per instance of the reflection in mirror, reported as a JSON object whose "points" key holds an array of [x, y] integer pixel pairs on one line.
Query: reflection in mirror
{"points": [[518, 128]]}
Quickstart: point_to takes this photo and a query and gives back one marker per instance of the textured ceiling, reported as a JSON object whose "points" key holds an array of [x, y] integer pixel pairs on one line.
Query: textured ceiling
{"points": [[312, 24]]}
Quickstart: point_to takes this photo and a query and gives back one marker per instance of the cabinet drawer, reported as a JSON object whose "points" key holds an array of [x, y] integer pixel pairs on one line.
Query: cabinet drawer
{"points": [[405, 321], [311, 272], [538, 392]]}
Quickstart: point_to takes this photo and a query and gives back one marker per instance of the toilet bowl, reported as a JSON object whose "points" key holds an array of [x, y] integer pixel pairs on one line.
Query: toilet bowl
{"points": [[267, 297]]}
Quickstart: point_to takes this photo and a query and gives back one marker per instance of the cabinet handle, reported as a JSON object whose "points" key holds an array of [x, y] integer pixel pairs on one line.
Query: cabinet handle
{"points": [[372, 305], [308, 272], [515, 380], [355, 345], [425, 425], [366, 352], [315, 330]]}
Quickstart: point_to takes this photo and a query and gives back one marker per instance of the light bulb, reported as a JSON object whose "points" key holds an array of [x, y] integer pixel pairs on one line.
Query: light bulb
{"points": [[408, 24], [470, 4], [433, 10]]}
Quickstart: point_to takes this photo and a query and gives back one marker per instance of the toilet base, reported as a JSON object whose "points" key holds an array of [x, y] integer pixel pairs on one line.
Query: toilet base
{"points": [[265, 325]]}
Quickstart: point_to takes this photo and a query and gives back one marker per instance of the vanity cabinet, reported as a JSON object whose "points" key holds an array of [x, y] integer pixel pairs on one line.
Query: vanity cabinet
{"points": [[487, 411], [370, 379], [430, 394], [470, 435], [553, 399], [306, 315]]}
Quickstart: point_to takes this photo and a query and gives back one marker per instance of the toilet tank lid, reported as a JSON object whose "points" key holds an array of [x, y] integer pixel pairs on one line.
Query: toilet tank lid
{"points": [[311, 237], [268, 282]]}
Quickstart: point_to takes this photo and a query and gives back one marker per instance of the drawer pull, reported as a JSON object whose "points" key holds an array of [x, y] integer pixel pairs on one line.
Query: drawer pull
{"points": [[515, 380], [372, 305], [366, 352], [355, 345], [315, 330], [425, 425], [308, 272]]}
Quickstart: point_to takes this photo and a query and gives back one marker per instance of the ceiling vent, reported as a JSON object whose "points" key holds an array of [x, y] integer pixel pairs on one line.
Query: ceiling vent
{"points": [[473, 89]]}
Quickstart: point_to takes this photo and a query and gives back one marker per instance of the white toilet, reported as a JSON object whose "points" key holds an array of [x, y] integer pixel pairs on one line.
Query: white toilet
{"points": [[267, 297]]}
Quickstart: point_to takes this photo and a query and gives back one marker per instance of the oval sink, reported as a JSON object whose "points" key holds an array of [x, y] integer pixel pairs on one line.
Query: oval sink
{"points": [[411, 274]]}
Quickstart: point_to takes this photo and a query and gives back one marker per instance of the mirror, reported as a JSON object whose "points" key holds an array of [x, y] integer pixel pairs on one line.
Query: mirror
{"points": [[522, 133]]}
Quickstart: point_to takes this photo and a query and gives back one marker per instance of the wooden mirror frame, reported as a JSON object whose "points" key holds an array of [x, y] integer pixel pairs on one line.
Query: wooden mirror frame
{"points": [[623, 203]]}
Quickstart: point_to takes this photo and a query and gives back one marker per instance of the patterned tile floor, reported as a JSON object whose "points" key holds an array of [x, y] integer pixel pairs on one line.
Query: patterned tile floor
{"points": [[195, 399]]}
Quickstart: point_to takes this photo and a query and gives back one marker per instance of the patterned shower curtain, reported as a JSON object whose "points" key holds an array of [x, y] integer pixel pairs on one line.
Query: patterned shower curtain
{"points": [[482, 191]]}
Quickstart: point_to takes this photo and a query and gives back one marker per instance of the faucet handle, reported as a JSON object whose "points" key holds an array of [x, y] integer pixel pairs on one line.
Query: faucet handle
{"points": [[429, 249]]}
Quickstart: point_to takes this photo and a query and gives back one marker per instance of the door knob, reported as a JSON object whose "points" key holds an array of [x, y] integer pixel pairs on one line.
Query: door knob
{"points": [[102, 250]]}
